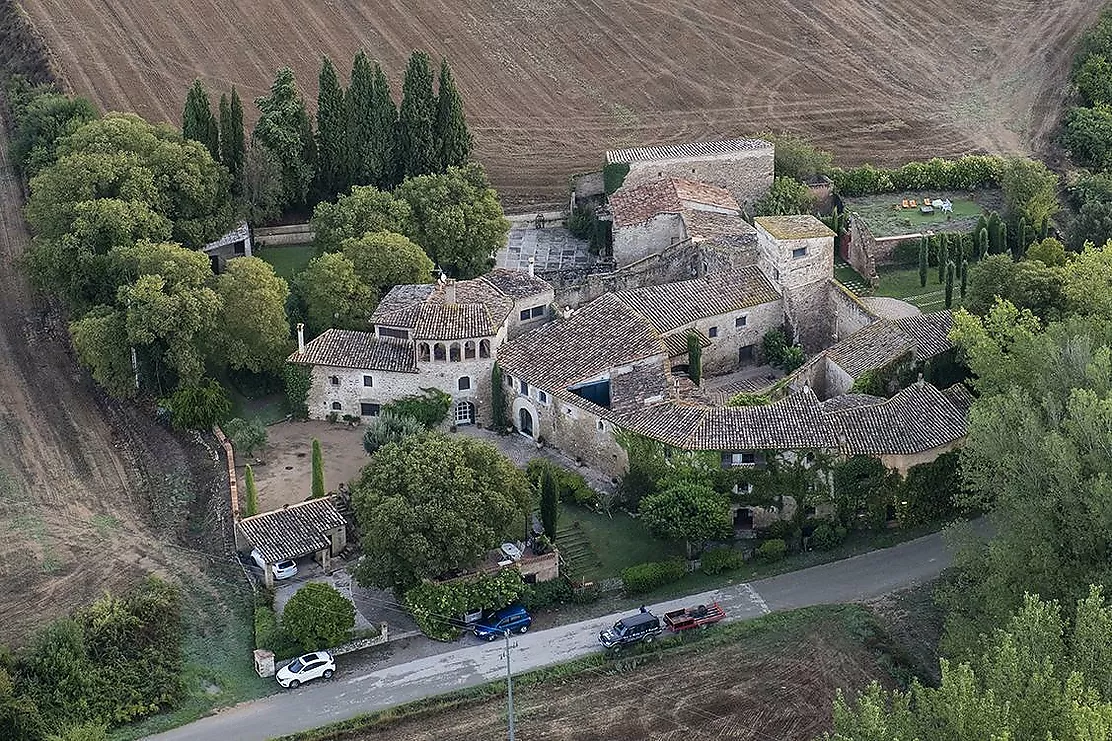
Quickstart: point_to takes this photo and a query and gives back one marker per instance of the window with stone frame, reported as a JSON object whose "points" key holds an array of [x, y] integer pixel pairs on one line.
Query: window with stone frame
{"points": [[334, 380], [469, 350], [542, 396], [524, 388], [369, 409], [799, 252], [423, 352], [712, 332], [747, 353], [534, 312], [337, 406], [741, 321], [438, 352], [368, 381], [484, 348], [464, 383]]}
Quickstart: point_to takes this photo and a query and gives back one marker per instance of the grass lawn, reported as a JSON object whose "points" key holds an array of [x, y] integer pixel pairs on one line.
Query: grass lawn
{"points": [[886, 218], [598, 546], [288, 260], [901, 283]]}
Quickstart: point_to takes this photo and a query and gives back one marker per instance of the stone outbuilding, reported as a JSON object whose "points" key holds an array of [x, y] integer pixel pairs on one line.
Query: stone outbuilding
{"points": [[313, 528], [236, 243]]}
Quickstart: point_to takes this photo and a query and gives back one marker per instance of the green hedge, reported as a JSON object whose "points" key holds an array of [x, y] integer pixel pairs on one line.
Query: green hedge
{"points": [[772, 550], [721, 559], [964, 173], [431, 604], [827, 536], [646, 577]]}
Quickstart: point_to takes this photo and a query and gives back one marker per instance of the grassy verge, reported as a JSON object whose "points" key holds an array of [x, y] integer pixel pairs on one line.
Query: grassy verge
{"points": [[764, 633], [288, 260]]}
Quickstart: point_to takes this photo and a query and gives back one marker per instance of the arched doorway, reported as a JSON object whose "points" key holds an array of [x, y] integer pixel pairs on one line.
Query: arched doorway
{"points": [[464, 413], [525, 422]]}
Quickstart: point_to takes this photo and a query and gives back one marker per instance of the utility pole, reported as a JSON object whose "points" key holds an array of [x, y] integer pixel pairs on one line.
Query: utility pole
{"points": [[510, 684]]}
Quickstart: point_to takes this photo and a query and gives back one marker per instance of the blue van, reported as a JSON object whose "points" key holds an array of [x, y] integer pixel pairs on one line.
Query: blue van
{"points": [[495, 625]]}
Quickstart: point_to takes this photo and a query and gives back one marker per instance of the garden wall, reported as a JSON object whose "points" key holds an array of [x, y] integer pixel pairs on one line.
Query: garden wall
{"points": [[861, 251]]}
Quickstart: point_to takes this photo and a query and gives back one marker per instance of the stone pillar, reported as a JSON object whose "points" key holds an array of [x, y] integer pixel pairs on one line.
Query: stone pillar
{"points": [[264, 662]]}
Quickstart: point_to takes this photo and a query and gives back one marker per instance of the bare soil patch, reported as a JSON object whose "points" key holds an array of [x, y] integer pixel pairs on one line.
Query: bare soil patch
{"points": [[549, 85], [285, 474], [758, 686]]}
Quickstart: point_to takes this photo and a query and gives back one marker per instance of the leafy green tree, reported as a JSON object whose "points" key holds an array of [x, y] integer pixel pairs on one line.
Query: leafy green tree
{"points": [[687, 510], [365, 210], [364, 164], [1088, 282], [334, 295], [318, 471], [100, 339], [389, 427], [1030, 190], [996, 245], [19, 718], [246, 435], [317, 616], [550, 504], [233, 144], [1088, 136], [253, 330], [452, 138], [1028, 284], [433, 504], [694, 358], [47, 119], [1049, 252], [123, 157], [333, 148], [81, 732], [786, 196], [417, 118], [261, 185], [284, 129], [251, 504], [197, 121], [797, 158], [198, 405], [924, 258], [56, 671], [1094, 80], [387, 132], [457, 219], [383, 260]]}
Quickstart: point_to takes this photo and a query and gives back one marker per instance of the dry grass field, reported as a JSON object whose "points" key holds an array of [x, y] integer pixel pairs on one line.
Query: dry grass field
{"points": [[550, 84]]}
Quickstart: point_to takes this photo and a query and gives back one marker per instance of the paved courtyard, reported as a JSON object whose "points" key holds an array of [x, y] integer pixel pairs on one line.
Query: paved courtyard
{"points": [[553, 248]]}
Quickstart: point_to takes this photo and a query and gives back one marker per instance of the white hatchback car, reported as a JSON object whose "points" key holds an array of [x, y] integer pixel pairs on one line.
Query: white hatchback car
{"points": [[304, 668], [281, 570]]}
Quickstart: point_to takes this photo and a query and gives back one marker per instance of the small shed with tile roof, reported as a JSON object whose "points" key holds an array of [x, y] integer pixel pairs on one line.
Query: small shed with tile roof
{"points": [[313, 528]]}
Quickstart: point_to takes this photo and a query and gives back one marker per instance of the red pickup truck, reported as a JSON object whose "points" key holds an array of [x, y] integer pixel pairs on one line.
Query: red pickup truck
{"points": [[694, 617]]}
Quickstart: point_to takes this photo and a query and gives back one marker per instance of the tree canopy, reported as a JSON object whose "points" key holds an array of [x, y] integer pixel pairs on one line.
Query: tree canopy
{"points": [[197, 121], [384, 259], [253, 331], [417, 118], [364, 210], [334, 154], [1030, 191], [317, 616], [432, 505], [284, 129], [46, 119], [333, 294], [688, 510], [453, 140]]}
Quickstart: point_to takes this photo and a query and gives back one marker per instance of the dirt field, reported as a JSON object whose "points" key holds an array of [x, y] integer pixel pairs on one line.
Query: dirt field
{"points": [[76, 471], [755, 688], [286, 474], [550, 84]]}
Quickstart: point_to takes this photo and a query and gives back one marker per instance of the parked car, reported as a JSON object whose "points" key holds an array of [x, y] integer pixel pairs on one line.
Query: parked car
{"points": [[640, 628], [307, 667], [495, 625], [281, 570]]}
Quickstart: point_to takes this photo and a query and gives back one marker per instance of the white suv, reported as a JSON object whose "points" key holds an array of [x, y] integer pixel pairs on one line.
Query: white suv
{"points": [[281, 570], [304, 668]]}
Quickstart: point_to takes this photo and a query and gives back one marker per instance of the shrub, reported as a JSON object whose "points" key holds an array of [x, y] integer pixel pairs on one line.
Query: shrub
{"points": [[572, 488], [266, 627], [389, 427], [646, 577], [613, 175], [547, 593], [317, 616], [298, 381], [717, 560], [772, 550], [429, 408], [581, 222], [827, 537], [430, 603]]}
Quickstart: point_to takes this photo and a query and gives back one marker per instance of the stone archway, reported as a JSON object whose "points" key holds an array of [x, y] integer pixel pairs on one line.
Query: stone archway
{"points": [[525, 422]]}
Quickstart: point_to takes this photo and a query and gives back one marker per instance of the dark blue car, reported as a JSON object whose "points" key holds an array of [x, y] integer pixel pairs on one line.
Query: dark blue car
{"points": [[514, 619]]}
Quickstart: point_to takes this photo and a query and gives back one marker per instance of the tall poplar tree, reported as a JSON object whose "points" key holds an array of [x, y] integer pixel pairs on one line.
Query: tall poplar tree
{"points": [[364, 167], [318, 471], [386, 133], [950, 270], [943, 255], [284, 130], [197, 121], [417, 118], [333, 155], [452, 138], [233, 146], [924, 261]]}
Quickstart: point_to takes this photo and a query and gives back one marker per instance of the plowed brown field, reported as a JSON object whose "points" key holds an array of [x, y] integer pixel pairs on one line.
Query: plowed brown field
{"points": [[550, 84]]}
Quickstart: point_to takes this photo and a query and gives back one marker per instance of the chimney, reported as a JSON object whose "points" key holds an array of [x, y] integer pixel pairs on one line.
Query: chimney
{"points": [[532, 266], [300, 338], [450, 292]]}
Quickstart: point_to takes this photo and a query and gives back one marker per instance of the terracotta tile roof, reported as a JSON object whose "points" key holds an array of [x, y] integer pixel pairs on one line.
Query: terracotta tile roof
{"points": [[646, 382], [479, 309], [516, 283], [680, 151], [794, 227], [292, 532], [881, 342], [638, 203], [915, 420], [959, 396], [850, 401], [345, 348], [929, 332], [598, 337], [709, 224], [674, 305], [677, 342]]}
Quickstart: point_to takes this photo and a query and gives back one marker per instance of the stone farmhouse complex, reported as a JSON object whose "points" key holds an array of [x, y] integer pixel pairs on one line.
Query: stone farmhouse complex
{"points": [[585, 365]]}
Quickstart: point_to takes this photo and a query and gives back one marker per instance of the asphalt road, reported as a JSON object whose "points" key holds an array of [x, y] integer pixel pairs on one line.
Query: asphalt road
{"points": [[858, 578]]}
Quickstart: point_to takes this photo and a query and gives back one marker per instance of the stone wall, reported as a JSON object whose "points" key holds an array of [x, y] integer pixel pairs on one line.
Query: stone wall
{"points": [[850, 315], [588, 185], [515, 325], [861, 250], [722, 356], [807, 311], [636, 242], [577, 287], [777, 258], [904, 463], [747, 174]]}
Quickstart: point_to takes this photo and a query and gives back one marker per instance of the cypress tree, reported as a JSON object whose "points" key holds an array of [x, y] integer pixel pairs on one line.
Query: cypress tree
{"points": [[333, 156], [497, 400], [1044, 228], [318, 471], [982, 243], [943, 256], [964, 276], [385, 130], [233, 147], [284, 129], [1003, 237], [452, 137], [363, 168], [924, 261], [197, 121], [994, 225], [694, 358], [417, 118], [1022, 236], [550, 512], [950, 270], [251, 506]]}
